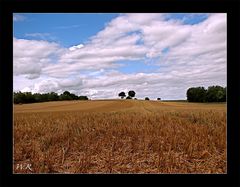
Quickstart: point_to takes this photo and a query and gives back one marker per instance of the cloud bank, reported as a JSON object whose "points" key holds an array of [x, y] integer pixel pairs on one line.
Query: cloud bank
{"points": [[185, 55]]}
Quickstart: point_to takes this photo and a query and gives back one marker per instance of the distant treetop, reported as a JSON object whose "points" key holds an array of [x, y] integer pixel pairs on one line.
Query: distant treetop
{"points": [[212, 94], [28, 97], [122, 94], [131, 93]]}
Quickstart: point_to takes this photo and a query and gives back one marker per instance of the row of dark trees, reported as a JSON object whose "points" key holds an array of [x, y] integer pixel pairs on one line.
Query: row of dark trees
{"points": [[212, 94], [28, 97], [194, 94], [131, 94]]}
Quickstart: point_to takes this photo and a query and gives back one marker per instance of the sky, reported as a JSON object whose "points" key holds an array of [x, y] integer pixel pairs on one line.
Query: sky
{"points": [[100, 55]]}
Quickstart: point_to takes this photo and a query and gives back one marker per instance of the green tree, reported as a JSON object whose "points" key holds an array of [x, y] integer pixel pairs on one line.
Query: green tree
{"points": [[65, 96], [131, 93], [196, 94], [45, 97], [23, 97], [216, 94], [53, 96], [212, 94], [122, 95], [74, 97], [38, 97], [225, 94], [18, 97], [83, 97]]}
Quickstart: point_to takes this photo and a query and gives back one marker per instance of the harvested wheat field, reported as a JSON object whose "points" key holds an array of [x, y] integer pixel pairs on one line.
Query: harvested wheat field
{"points": [[120, 136]]}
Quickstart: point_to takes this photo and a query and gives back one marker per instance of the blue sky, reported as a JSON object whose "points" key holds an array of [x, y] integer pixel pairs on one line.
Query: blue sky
{"points": [[71, 29], [67, 29], [190, 19], [52, 49]]}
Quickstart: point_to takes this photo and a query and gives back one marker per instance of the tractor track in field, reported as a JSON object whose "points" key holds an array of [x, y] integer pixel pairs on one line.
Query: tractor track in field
{"points": [[103, 106], [143, 106]]}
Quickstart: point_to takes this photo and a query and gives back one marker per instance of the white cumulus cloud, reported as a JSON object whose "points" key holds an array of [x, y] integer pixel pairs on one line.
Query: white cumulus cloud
{"points": [[183, 55]]}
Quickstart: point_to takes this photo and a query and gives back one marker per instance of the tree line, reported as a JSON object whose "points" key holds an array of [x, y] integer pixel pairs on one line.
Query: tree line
{"points": [[131, 94], [212, 94], [28, 97], [194, 94]]}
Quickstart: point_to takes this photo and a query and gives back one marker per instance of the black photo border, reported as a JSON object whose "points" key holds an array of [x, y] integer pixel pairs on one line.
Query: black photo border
{"points": [[231, 7]]}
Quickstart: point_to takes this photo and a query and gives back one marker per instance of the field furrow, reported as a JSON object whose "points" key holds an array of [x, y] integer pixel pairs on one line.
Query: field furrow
{"points": [[120, 136]]}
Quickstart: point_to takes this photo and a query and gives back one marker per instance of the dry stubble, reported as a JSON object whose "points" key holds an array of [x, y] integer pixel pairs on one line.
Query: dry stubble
{"points": [[120, 137]]}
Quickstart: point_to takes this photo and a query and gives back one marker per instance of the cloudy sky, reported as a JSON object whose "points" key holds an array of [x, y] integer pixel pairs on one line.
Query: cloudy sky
{"points": [[100, 55]]}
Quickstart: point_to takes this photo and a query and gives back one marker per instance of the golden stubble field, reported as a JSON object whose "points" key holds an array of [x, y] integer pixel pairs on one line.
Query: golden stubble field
{"points": [[120, 136]]}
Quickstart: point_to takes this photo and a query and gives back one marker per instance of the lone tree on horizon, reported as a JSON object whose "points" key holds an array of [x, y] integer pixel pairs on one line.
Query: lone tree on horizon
{"points": [[146, 98], [131, 93], [122, 95]]}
